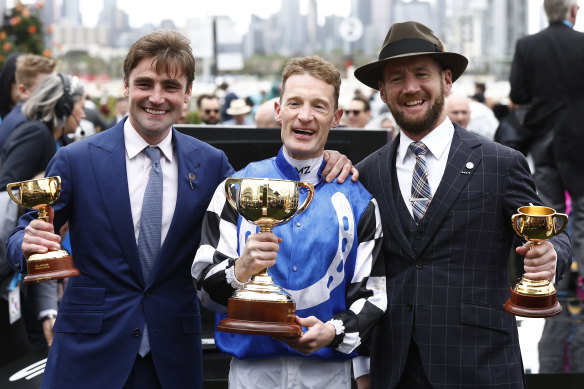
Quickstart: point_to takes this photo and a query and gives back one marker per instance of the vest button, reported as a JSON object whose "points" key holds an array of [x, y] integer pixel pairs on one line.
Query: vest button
{"points": [[136, 333], [419, 234], [409, 306], [419, 265]]}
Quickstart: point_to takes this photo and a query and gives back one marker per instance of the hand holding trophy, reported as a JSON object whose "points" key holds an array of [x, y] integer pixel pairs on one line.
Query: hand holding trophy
{"points": [[536, 298], [261, 307], [39, 194]]}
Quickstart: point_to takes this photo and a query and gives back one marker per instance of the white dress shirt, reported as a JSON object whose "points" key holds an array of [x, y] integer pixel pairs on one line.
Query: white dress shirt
{"points": [[138, 167], [438, 142]]}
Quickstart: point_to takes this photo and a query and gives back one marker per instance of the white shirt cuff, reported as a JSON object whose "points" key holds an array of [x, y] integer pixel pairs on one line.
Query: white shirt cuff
{"points": [[46, 312], [360, 366], [231, 279]]}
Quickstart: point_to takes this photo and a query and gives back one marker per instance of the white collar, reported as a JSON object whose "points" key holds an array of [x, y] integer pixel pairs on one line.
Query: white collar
{"points": [[135, 143], [436, 140]]}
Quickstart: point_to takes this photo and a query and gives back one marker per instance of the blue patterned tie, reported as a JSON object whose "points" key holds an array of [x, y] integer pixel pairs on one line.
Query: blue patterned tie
{"points": [[150, 226], [421, 194]]}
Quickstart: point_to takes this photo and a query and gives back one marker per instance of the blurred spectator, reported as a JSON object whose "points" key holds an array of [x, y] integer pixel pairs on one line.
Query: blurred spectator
{"points": [[227, 97], [479, 94], [482, 120], [239, 109], [266, 114], [8, 88], [458, 109], [358, 112], [389, 124], [31, 70], [510, 131], [183, 116], [546, 74], [92, 123], [52, 111], [209, 109], [121, 109]]}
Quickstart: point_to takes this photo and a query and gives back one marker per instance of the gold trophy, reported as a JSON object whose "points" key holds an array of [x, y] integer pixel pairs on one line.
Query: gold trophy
{"points": [[39, 194], [261, 307], [536, 298]]}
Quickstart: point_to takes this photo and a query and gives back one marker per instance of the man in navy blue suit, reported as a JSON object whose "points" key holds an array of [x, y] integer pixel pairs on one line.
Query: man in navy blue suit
{"points": [[105, 310], [447, 229]]}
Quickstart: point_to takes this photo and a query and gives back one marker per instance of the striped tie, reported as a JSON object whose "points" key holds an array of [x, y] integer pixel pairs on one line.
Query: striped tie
{"points": [[421, 194], [150, 226]]}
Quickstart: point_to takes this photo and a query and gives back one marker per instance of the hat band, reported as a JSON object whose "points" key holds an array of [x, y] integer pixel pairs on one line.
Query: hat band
{"points": [[408, 46]]}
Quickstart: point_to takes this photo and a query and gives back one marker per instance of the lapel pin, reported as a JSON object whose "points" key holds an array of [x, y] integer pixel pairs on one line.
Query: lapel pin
{"points": [[191, 179], [468, 166]]}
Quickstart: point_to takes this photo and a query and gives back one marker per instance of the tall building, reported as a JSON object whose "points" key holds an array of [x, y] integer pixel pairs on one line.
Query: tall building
{"points": [[70, 12], [292, 28]]}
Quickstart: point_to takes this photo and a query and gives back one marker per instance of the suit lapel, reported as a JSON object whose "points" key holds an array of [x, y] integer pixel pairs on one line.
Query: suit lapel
{"points": [[461, 165], [108, 156], [386, 167]]}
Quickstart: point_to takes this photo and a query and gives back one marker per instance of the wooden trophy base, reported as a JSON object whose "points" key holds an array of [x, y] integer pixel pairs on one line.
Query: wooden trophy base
{"points": [[50, 266], [261, 318], [524, 305]]}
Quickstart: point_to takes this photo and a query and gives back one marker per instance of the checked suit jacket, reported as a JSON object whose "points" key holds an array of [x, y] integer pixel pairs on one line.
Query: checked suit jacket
{"points": [[447, 278], [103, 310]]}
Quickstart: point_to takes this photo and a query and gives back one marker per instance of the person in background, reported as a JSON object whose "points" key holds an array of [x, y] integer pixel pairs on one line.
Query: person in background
{"points": [[8, 88], [327, 257], [31, 70], [546, 76], [389, 124], [266, 114], [358, 112], [226, 96], [50, 112], [209, 109], [479, 92], [184, 114], [121, 110], [446, 197], [458, 109], [239, 110]]}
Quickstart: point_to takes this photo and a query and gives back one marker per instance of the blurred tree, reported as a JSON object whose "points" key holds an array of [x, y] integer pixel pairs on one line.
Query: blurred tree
{"points": [[22, 30]]}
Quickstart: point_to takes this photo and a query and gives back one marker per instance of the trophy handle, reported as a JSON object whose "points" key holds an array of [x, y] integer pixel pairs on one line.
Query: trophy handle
{"points": [[308, 198], [564, 218], [9, 190], [228, 183], [514, 222]]}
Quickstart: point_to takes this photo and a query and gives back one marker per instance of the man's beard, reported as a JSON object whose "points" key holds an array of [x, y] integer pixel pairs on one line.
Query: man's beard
{"points": [[426, 122]]}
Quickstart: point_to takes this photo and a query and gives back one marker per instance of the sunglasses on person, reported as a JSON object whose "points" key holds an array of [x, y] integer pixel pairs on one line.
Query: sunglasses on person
{"points": [[208, 111], [355, 112]]}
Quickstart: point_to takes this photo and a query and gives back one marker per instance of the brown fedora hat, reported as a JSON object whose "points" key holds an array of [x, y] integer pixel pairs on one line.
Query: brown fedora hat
{"points": [[405, 40]]}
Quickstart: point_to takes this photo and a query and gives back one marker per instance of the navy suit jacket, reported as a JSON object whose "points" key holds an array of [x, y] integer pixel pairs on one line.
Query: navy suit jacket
{"points": [[448, 279], [103, 311]]}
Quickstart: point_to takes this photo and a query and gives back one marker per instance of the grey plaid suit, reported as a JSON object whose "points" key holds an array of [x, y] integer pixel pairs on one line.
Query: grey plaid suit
{"points": [[447, 278]]}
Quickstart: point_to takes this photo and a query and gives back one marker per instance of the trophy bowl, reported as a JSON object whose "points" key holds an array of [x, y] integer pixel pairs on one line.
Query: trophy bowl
{"points": [[39, 194], [261, 307], [535, 298]]}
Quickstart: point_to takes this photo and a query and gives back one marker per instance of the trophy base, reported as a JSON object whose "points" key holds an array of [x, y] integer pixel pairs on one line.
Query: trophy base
{"points": [[53, 265], [260, 318], [524, 305]]}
